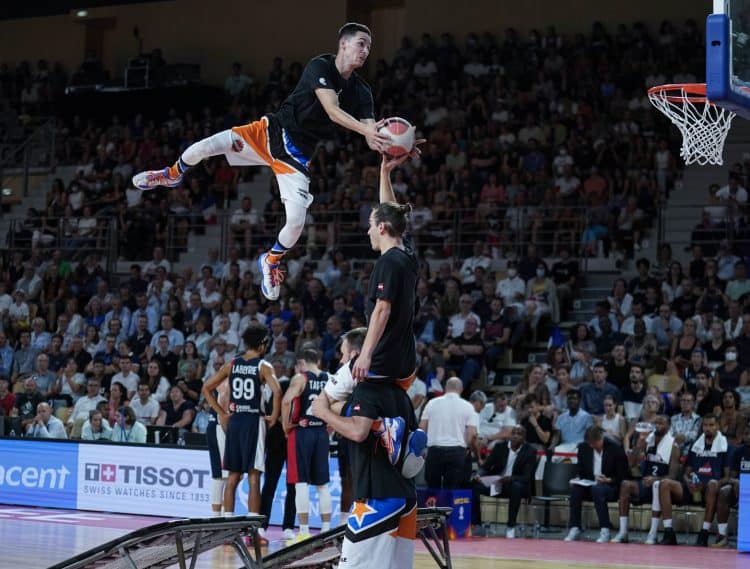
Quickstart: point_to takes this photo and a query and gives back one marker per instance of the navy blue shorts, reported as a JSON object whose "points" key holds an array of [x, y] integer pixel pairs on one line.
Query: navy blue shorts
{"points": [[307, 456], [245, 449]]}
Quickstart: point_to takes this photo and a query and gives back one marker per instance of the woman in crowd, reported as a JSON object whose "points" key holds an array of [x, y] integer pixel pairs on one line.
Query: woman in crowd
{"points": [[157, 383], [682, 348], [118, 397], [189, 357], [612, 422], [200, 338], [309, 336], [717, 344]]}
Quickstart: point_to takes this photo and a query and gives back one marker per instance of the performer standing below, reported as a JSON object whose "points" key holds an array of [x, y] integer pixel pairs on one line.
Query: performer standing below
{"points": [[381, 527], [245, 421], [307, 443]]}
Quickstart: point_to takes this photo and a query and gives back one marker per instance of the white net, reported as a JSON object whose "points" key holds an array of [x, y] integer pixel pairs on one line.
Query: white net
{"points": [[704, 126]]}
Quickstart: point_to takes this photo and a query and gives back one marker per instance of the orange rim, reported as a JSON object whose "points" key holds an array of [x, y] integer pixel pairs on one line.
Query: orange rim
{"points": [[679, 92]]}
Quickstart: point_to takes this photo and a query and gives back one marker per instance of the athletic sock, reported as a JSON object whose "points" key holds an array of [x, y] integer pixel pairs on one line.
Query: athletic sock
{"points": [[706, 526], [655, 524], [325, 526], [304, 530], [623, 524], [723, 529], [276, 253], [228, 514], [668, 524]]}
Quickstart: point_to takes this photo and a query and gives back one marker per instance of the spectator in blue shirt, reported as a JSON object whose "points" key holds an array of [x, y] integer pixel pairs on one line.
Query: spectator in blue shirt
{"points": [[6, 356], [571, 425], [594, 392]]}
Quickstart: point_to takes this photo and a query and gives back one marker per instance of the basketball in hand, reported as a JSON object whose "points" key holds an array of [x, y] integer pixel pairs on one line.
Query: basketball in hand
{"points": [[402, 135]]}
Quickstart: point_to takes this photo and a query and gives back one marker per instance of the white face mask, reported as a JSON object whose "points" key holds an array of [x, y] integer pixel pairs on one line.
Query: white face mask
{"points": [[512, 273], [730, 356], [540, 273]]}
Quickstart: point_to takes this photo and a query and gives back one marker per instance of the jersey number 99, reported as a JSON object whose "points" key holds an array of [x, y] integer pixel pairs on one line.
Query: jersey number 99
{"points": [[243, 388]]}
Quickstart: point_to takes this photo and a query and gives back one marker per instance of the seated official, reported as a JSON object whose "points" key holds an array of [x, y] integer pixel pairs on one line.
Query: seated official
{"points": [[515, 462], [96, 428], [45, 425], [127, 429], [604, 463]]}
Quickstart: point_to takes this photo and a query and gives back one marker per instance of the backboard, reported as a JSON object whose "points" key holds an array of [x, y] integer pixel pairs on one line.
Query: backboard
{"points": [[728, 55]]}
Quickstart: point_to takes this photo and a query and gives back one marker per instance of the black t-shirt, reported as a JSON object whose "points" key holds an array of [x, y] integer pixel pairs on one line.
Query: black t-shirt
{"points": [[563, 270], [302, 115], [684, 306], [709, 402], [27, 404], [638, 286], [372, 472], [174, 415], [394, 278], [545, 423], [475, 340], [618, 375]]}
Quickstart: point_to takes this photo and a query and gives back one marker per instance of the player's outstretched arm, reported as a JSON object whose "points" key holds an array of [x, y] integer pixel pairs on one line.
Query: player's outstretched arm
{"points": [[367, 128]]}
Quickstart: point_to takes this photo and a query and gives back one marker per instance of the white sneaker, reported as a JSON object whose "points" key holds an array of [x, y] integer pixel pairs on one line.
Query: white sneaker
{"points": [[603, 536], [261, 532], [621, 537], [288, 533], [651, 539], [573, 534], [271, 278], [510, 533]]}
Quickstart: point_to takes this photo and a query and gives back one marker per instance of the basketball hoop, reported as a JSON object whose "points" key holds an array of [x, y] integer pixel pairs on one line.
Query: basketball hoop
{"points": [[704, 125]]}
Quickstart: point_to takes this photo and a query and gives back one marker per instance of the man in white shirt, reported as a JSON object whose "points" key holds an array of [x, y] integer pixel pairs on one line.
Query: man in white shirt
{"points": [[225, 332], [458, 320], [512, 289], [149, 269], [496, 421], [127, 376], [733, 192], [478, 259], [242, 222], [145, 406], [451, 425], [86, 403], [45, 425]]}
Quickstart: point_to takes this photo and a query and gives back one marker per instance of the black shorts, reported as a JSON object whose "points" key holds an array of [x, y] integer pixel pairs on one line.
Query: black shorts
{"points": [[214, 448], [307, 456], [245, 449]]}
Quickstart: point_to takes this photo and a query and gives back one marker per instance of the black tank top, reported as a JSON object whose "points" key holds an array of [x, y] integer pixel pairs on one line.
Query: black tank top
{"points": [[313, 386], [729, 379], [245, 394]]}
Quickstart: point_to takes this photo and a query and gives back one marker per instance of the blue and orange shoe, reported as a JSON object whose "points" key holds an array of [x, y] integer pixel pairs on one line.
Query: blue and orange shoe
{"points": [[416, 446], [271, 277], [391, 433], [148, 180]]}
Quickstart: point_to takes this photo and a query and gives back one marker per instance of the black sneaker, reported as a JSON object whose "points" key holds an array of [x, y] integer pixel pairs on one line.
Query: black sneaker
{"points": [[669, 537], [702, 540]]}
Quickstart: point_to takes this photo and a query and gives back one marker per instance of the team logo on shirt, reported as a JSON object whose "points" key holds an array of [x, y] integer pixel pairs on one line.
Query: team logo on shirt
{"points": [[706, 469], [322, 81], [381, 287]]}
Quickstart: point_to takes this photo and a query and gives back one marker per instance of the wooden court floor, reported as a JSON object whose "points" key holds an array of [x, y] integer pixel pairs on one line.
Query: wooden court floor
{"points": [[37, 538]]}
